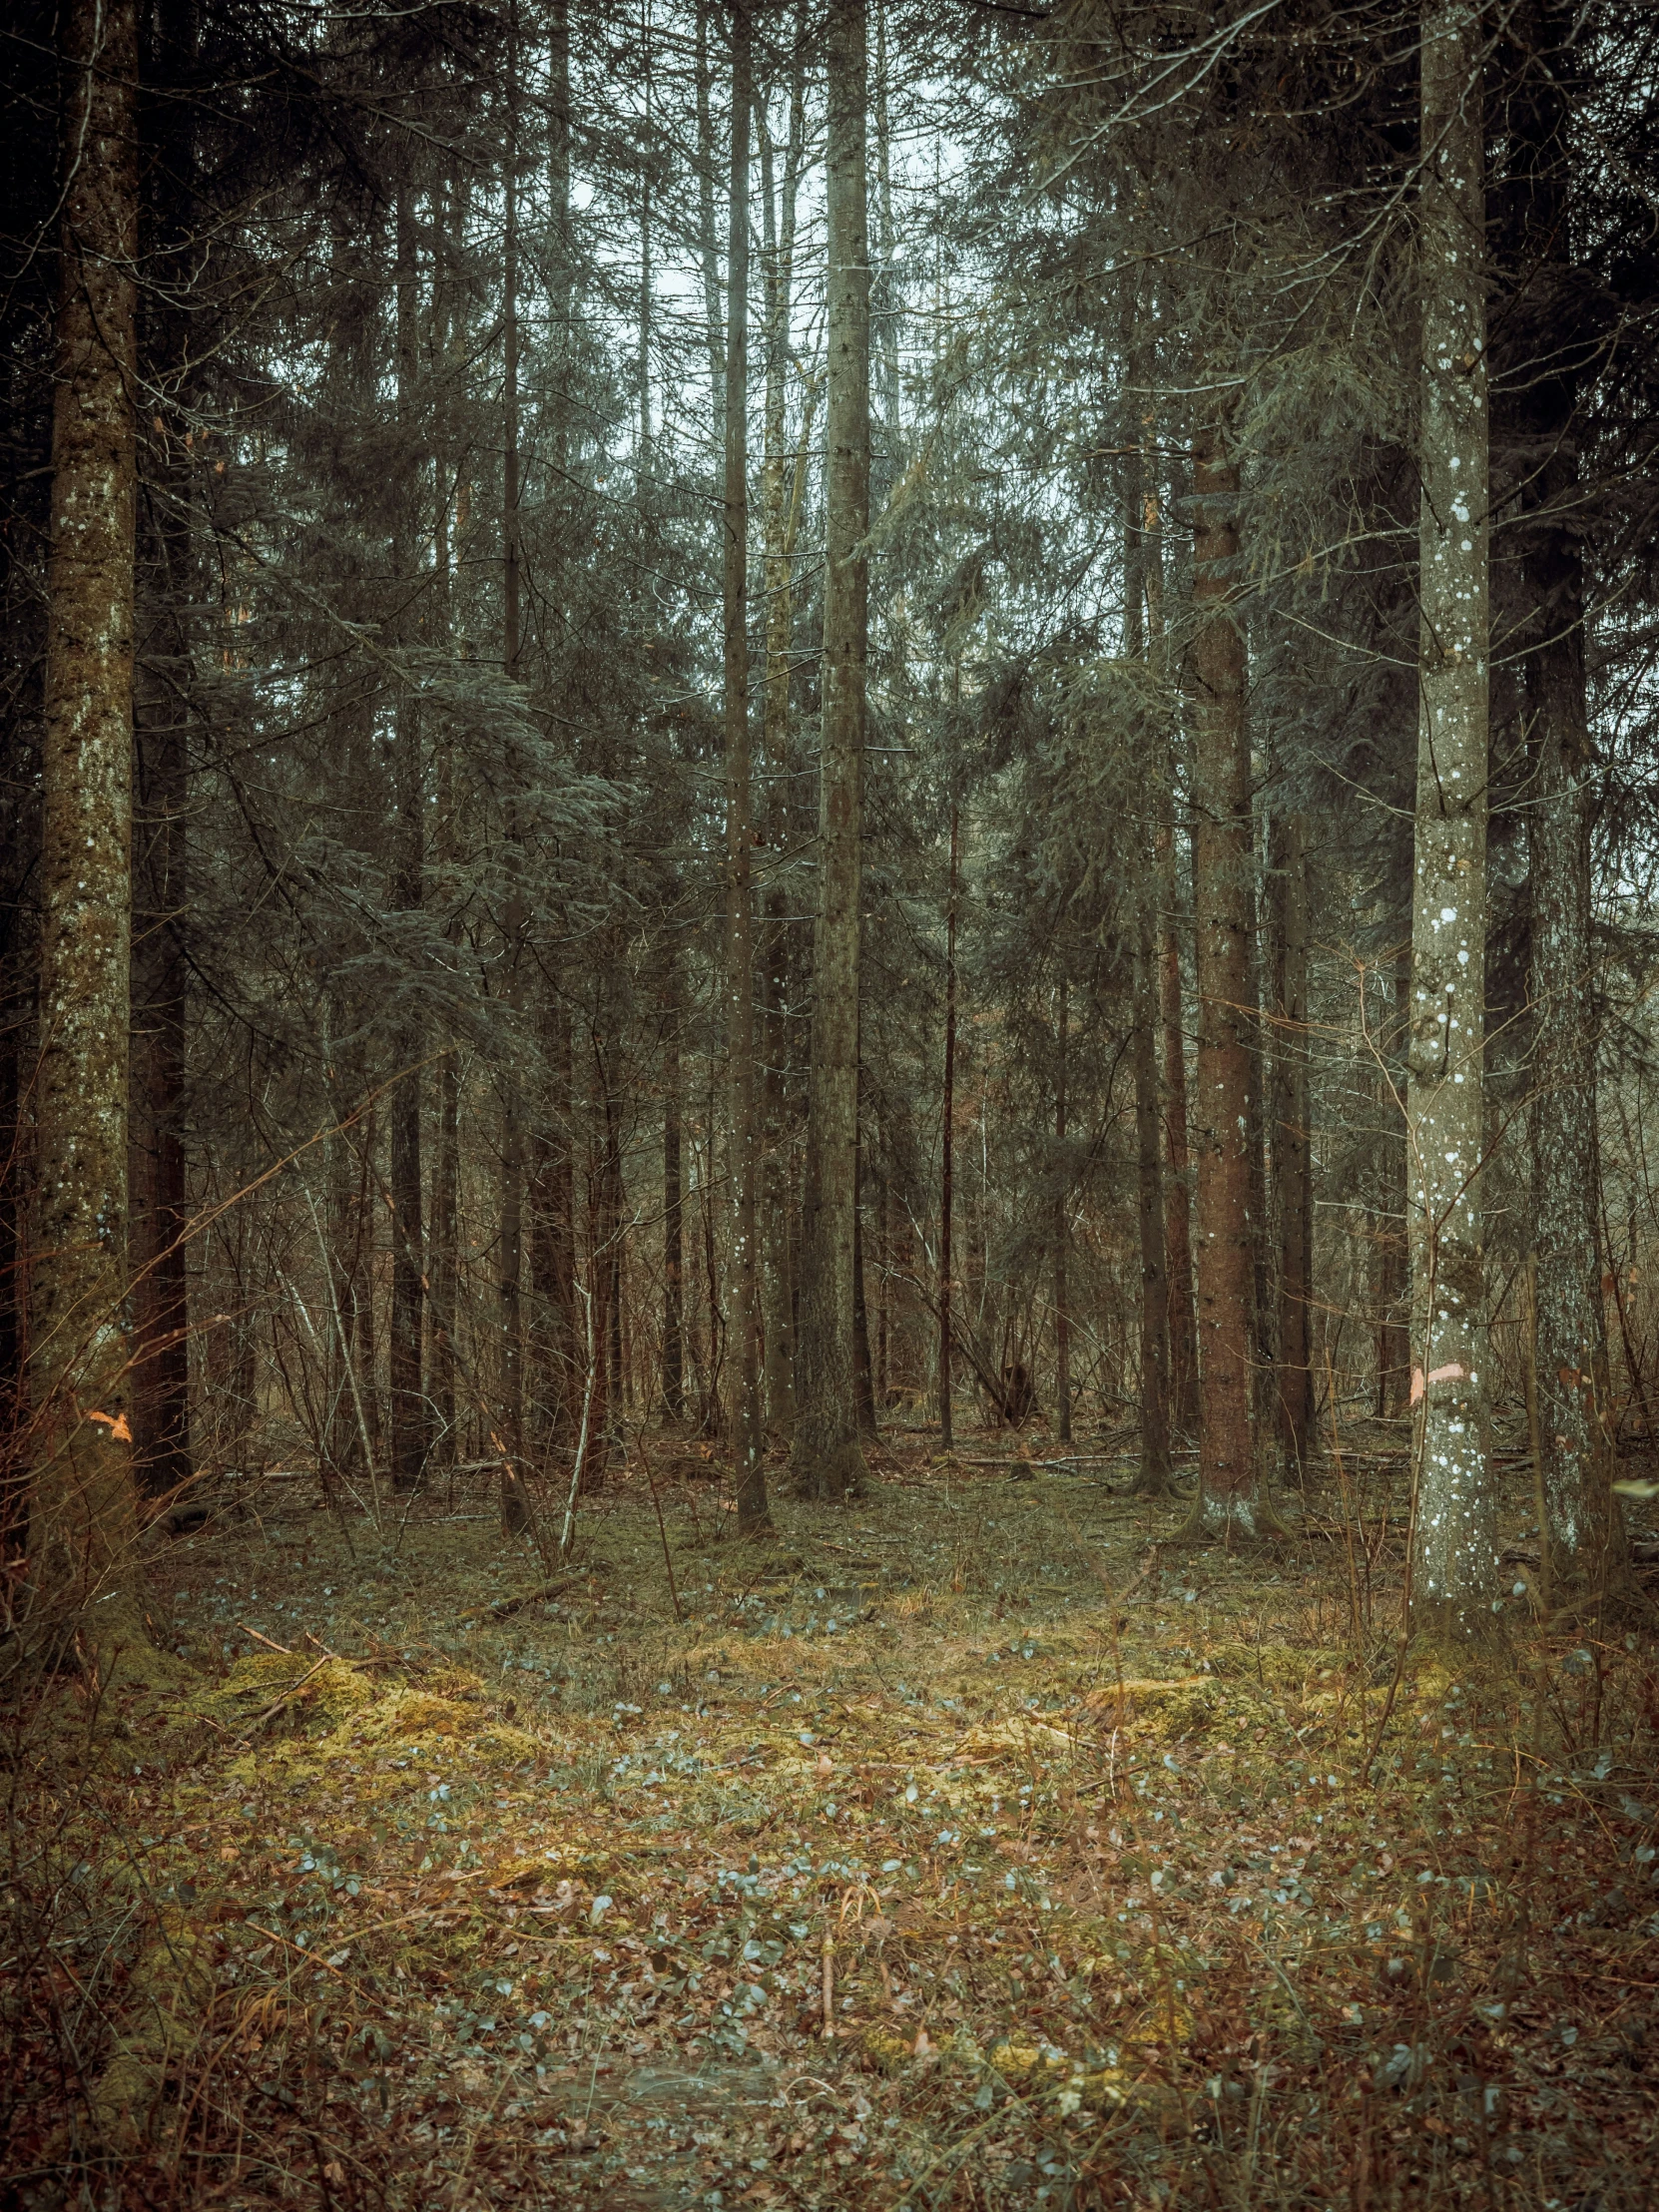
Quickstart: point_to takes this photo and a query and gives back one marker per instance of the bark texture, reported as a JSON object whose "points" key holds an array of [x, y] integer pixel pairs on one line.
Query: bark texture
{"points": [[1172, 1030], [1587, 1551], [1290, 1140], [1454, 1554], [82, 1519], [782, 495], [409, 1422], [1153, 1477], [161, 1422], [1228, 1500], [825, 1458], [747, 1411]]}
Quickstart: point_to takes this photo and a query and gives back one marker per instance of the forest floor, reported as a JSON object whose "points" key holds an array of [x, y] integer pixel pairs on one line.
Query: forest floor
{"points": [[968, 1845]]}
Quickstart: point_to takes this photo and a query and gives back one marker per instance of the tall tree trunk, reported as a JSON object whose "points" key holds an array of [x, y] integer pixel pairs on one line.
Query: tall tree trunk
{"points": [[1586, 1548], [82, 1515], [1153, 1478], [1456, 1545], [615, 1208], [1172, 1029], [161, 1313], [825, 1458], [445, 1293], [443, 1251], [948, 1145], [1230, 1500], [1394, 1333], [557, 1379], [1143, 613], [748, 1409], [864, 1366], [409, 1419], [783, 496], [674, 1212], [601, 1278], [708, 241], [1291, 1153], [1062, 1231], [515, 1513]]}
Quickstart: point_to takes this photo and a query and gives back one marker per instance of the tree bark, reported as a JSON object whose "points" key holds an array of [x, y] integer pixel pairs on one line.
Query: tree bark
{"points": [[409, 1418], [445, 1270], [744, 1300], [1230, 1500], [825, 1458], [1062, 1227], [1587, 1552], [1143, 612], [515, 1513], [783, 497], [1393, 1332], [160, 970], [1153, 1478], [1172, 1031], [1292, 1145], [82, 1522], [674, 1211], [947, 1147], [1455, 1553]]}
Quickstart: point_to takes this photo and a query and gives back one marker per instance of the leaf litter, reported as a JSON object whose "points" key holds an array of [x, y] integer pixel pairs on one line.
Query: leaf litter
{"points": [[977, 1847]]}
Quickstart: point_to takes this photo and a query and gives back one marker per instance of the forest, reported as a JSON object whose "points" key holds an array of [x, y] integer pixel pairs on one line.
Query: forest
{"points": [[827, 1262]]}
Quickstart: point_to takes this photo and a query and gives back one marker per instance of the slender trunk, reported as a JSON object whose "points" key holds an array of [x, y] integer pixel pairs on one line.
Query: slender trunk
{"points": [[616, 1207], [515, 1516], [1586, 1547], [407, 1405], [712, 1414], [1062, 1233], [643, 456], [1152, 1479], [1291, 1153], [1394, 1333], [782, 494], [82, 1516], [557, 1379], [864, 1366], [444, 1249], [1456, 1545], [161, 1369], [707, 239], [883, 1297], [947, 1143], [1172, 1031], [748, 1409], [1143, 613], [673, 1218], [1229, 1500], [445, 1259], [826, 1458], [595, 1459]]}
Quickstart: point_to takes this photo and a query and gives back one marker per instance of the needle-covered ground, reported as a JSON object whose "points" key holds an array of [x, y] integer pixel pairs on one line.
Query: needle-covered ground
{"points": [[969, 1844]]}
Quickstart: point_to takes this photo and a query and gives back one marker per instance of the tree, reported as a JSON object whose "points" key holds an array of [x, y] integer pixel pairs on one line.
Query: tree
{"points": [[1455, 1538], [825, 1458], [1549, 354], [748, 1423], [1230, 1500], [82, 1518]]}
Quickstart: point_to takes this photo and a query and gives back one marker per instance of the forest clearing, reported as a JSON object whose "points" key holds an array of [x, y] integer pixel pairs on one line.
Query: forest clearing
{"points": [[829, 1019], [1123, 1872]]}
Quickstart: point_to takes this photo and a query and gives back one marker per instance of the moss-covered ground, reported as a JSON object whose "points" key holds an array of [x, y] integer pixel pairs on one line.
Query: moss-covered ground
{"points": [[968, 1845]]}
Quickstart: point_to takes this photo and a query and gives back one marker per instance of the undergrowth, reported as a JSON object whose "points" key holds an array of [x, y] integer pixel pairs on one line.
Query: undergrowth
{"points": [[969, 1846]]}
